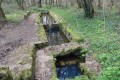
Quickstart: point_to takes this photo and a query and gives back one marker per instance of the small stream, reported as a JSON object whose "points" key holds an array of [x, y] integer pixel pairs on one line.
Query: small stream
{"points": [[56, 37], [68, 71]]}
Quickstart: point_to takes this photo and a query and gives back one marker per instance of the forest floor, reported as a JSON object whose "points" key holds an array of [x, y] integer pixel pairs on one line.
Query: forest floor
{"points": [[102, 36], [103, 44], [13, 35]]}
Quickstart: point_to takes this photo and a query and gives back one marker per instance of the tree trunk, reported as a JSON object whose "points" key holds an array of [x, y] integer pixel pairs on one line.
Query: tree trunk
{"points": [[66, 4], [72, 3], [20, 4], [112, 2], [46, 2], [60, 3], [99, 4], [39, 3], [53, 2], [2, 14], [79, 3], [57, 3], [33, 2], [88, 8]]}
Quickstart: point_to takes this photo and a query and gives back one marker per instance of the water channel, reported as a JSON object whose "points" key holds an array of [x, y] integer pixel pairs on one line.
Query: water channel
{"points": [[66, 66]]}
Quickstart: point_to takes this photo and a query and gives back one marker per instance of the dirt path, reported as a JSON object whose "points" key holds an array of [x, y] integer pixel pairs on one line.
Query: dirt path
{"points": [[13, 36], [43, 68]]}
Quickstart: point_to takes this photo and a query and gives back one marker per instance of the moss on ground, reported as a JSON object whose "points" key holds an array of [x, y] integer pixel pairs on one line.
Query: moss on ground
{"points": [[54, 77], [41, 31], [5, 74], [26, 74]]}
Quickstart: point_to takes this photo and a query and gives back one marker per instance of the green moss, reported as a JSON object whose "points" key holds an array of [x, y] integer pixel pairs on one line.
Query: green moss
{"points": [[5, 74], [26, 74], [87, 72], [83, 77], [54, 77], [41, 31], [38, 18], [33, 62], [63, 52]]}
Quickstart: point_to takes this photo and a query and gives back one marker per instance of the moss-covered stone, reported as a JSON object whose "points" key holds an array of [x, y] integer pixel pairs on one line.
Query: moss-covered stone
{"points": [[19, 63], [54, 77], [5, 74], [26, 74], [87, 71], [65, 49], [41, 31]]}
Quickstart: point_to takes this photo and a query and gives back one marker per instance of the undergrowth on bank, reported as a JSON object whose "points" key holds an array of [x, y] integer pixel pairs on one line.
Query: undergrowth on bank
{"points": [[102, 35], [13, 12]]}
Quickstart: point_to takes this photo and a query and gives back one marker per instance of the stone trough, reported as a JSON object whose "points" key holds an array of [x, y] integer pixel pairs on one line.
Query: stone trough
{"points": [[62, 51]]}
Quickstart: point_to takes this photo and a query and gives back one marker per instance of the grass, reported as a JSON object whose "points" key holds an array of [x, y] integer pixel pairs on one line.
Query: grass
{"points": [[104, 41], [15, 17], [13, 12]]}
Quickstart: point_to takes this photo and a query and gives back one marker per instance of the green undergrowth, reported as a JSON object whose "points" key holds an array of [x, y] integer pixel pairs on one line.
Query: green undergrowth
{"points": [[15, 17], [104, 40], [13, 13], [54, 76]]}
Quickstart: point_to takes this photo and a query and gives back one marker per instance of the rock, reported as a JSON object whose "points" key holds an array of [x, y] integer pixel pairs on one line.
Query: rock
{"points": [[5, 74], [64, 49], [40, 44], [71, 62], [62, 63], [18, 63]]}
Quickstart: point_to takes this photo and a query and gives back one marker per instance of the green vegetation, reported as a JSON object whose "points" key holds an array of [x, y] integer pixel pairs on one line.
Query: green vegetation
{"points": [[41, 30], [104, 41], [13, 13], [5, 73], [54, 77], [101, 33]]}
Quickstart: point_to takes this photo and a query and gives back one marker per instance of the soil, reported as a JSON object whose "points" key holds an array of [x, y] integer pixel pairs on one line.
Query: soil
{"points": [[43, 68], [14, 35]]}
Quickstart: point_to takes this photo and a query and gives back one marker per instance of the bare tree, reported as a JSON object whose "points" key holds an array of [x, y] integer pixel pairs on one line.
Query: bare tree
{"points": [[39, 3], [100, 4], [33, 2], [57, 3], [72, 2], [88, 8], [20, 4], [79, 3], [66, 5], [2, 14]]}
